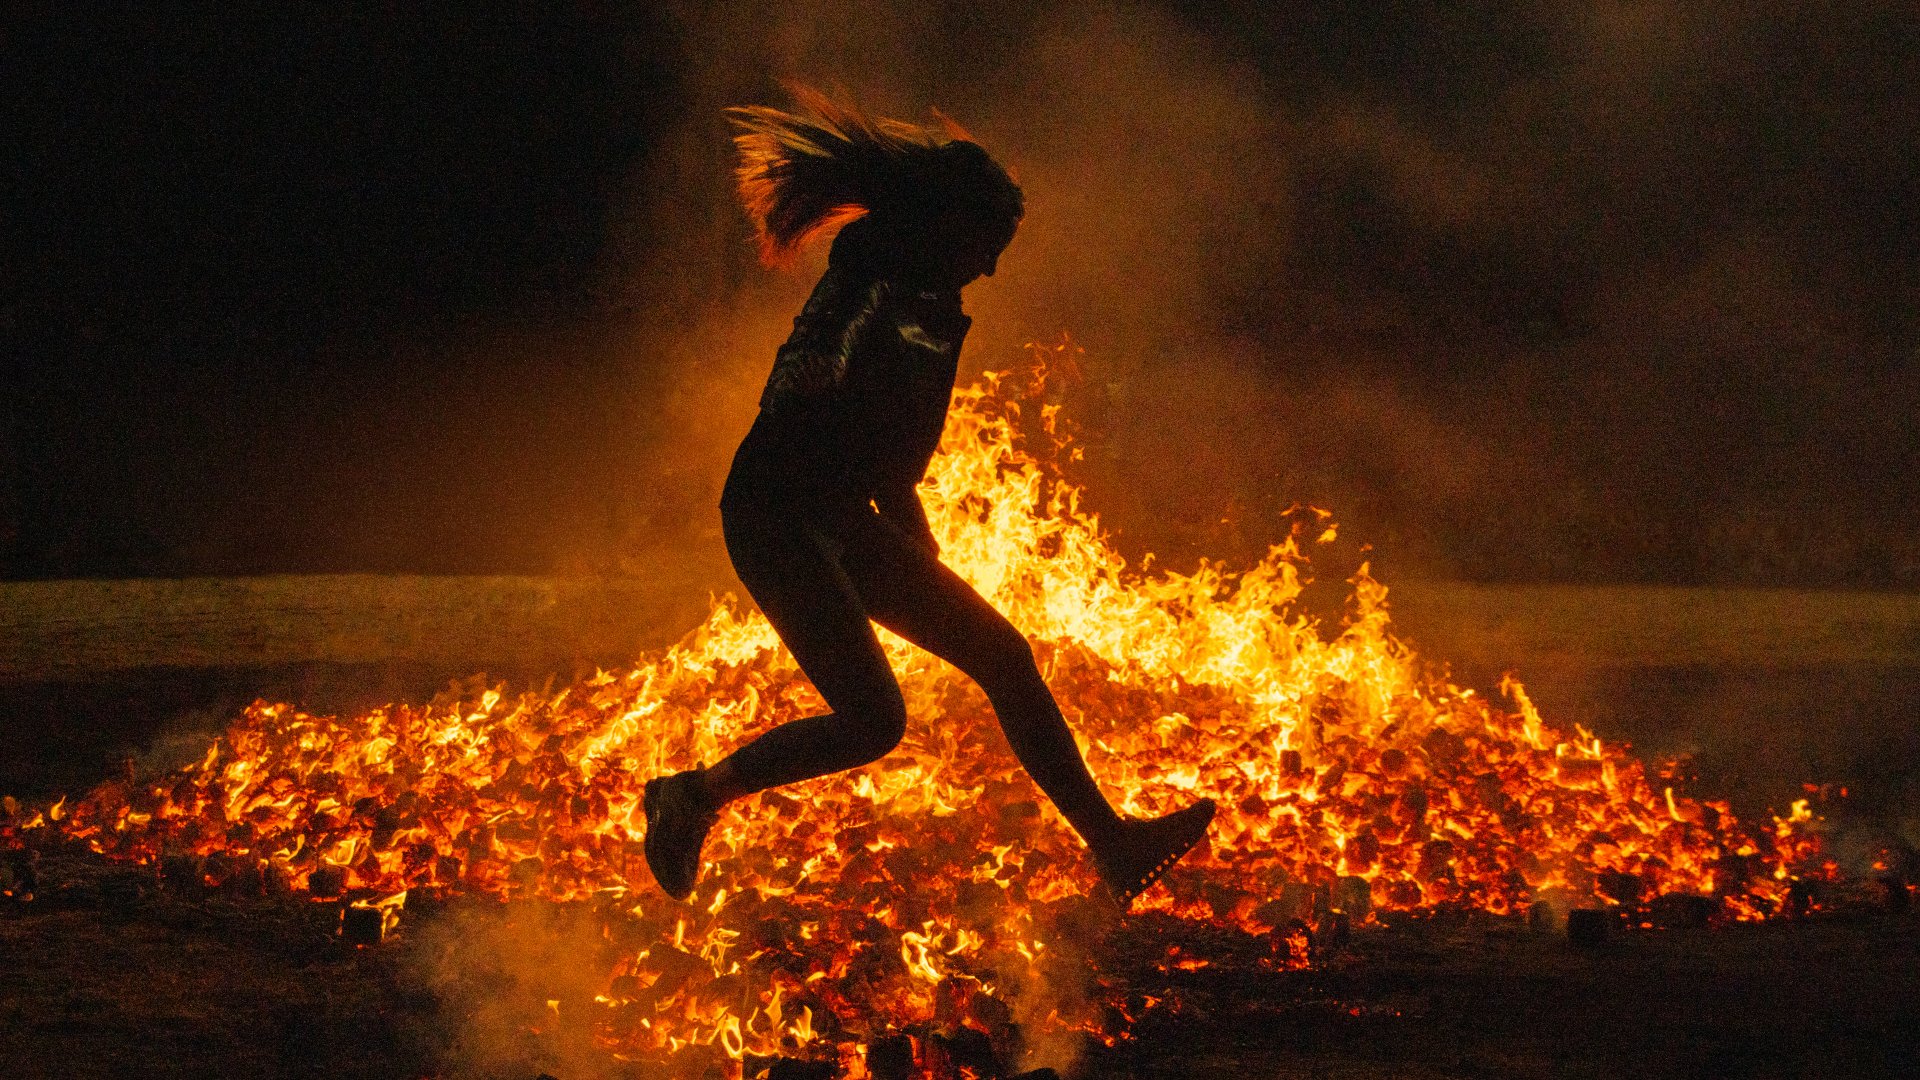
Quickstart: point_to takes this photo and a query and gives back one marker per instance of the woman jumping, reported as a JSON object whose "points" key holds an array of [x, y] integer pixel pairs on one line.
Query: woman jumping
{"points": [[820, 512]]}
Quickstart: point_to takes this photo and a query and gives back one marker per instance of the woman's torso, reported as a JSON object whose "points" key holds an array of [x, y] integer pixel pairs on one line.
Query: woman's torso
{"points": [[856, 400]]}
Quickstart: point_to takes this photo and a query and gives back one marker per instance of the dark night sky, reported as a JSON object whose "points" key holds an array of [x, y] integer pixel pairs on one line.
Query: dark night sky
{"points": [[1552, 290]]}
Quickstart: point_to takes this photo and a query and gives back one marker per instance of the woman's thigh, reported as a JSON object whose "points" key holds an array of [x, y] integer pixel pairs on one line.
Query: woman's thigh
{"points": [[794, 573], [908, 590]]}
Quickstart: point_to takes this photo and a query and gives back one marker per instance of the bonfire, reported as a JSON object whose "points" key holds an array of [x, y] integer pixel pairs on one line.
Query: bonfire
{"points": [[940, 893]]}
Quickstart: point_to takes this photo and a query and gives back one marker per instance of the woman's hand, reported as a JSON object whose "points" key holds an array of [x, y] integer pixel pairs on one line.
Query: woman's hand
{"points": [[900, 504]]}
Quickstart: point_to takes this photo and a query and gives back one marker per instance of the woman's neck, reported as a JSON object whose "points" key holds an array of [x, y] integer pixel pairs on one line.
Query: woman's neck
{"points": [[867, 248]]}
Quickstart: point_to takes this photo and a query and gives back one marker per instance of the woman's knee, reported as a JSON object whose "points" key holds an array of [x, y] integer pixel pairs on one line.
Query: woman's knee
{"points": [[1005, 664], [872, 726]]}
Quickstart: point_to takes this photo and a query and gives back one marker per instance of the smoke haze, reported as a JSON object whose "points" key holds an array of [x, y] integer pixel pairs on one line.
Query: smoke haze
{"points": [[1559, 291]]}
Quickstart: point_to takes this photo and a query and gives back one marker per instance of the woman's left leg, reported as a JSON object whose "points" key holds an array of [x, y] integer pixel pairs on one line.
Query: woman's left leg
{"points": [[906, 589]]}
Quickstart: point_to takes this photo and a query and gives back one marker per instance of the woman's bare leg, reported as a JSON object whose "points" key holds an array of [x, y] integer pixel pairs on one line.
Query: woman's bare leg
{"points": [[909, 591], [792, 572]]}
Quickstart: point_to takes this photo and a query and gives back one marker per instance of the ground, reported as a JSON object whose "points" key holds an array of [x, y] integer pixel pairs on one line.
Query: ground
{"points": [[111, 974]]}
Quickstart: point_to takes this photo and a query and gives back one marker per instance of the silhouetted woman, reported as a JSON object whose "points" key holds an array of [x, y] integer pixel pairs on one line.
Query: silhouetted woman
{"points": [[820, 512]]}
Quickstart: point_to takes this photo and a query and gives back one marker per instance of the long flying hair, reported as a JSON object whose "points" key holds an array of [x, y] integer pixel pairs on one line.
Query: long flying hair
{"points": [[804, 173]]}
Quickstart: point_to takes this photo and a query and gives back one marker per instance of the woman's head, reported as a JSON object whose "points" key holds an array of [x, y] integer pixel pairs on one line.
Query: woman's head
{"points": [[933, 202]]}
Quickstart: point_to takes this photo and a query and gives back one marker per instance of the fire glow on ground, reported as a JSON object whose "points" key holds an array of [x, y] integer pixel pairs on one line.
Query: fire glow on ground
{"points": [[938, 891]]}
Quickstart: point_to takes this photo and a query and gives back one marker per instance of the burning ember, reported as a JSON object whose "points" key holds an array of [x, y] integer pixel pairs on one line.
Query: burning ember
{"points": [[941, 889]]}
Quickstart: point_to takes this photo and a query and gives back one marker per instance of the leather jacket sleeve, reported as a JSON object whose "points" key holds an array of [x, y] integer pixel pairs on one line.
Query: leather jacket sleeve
{"points": [[815, 359]]}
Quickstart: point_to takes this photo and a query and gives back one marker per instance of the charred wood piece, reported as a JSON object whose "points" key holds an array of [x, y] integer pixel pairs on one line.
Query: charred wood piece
{"points": [[1353, 896], [235, 874], [797, 1069], [1798, 903], [891, 1058], [361, 926], [1682, 911], [18, 879], [1621, 888], [1295, 902], [1334, 932], [969, 1048], [1587, 927], [993, 1014], [327, 882], [185, 874], [1544, 918]]}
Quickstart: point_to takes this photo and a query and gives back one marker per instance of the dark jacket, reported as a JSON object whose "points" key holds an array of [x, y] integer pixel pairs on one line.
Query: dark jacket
{"points": [[854, 407]]}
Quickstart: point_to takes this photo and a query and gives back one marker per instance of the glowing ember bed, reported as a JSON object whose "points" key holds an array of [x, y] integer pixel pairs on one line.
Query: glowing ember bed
{"points": [[939, 898]]}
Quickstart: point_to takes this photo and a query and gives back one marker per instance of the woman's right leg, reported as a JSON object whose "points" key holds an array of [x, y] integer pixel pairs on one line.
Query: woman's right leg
{"points": [[794, 574]]}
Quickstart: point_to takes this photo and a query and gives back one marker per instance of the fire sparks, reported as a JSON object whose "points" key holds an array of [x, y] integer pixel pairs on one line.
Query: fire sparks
{"points": [[938, 886]]}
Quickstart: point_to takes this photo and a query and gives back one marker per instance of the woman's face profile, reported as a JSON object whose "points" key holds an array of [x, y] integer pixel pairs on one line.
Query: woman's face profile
{"points": [[981, 257]]}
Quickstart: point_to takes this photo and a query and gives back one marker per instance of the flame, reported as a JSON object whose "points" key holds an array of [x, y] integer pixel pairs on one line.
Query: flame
{"points": [[939, 884]]}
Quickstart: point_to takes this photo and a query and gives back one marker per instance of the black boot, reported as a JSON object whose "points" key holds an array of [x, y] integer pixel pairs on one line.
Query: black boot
{"points": [[678, 818], [1144, 850]]}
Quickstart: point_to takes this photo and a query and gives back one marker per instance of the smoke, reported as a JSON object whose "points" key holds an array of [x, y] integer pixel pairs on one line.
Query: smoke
{"points": [[515, 986], [1143, 155], [446, 297], [1452, 276], [1566, 290]]}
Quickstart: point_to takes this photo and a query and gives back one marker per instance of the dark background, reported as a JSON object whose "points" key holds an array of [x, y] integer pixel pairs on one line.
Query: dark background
{"points": [[1558, 291]]}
